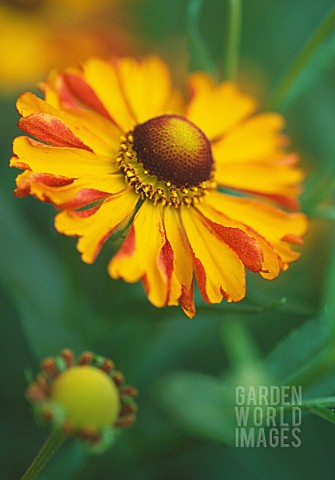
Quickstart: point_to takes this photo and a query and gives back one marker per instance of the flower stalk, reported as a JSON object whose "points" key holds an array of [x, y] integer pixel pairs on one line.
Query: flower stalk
{"points": [[304, 57], [47, 451], [199, 51], [239, 344], [233, 39]]}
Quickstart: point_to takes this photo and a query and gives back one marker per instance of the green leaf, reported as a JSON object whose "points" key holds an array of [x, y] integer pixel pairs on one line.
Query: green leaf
{"points": [[329, 300], [319, 402], [314, 57], [201, 404], [297, 352], [325, 212], [32, 276], [319, 189], [325, 413]]}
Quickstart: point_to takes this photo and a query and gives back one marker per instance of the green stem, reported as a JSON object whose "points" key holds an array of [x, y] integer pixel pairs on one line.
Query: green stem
{"points": [[307, 52], [49, 448], [199, 52], [233, 38], [239, 344], [252, 309]]}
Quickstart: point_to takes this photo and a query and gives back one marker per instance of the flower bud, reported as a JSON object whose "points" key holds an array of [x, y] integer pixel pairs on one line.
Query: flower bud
{"points": [[86, 398]]}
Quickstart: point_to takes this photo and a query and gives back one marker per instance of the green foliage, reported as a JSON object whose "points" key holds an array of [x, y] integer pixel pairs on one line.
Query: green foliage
{"points": [[200, 404]]}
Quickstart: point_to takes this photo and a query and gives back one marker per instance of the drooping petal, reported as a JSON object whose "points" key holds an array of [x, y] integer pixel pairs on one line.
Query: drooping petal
{"points": [[69, 162], [217, 108], [96, 226], [244, 245], [272, 263], [220, 272], [182, 277], [140, 259], [272, 228]]}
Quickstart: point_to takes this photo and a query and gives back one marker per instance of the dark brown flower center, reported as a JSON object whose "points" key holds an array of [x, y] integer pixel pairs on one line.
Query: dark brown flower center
{"points": [[174, 150]]}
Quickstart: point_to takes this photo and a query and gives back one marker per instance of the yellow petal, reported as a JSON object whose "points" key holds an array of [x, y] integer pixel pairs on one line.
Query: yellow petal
{"points": [[70, 162], [103, 79], [96, 228], [94, 130], [269, 222], [182, 277], [76, 194], [220, 273], [140, 258], [217, 108], [237, 238], [257, 139], [266, 179], [146, 85], [272, 263]]}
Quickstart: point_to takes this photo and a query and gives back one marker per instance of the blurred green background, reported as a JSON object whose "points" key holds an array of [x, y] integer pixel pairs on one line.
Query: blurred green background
{"points": [[185, 370]]}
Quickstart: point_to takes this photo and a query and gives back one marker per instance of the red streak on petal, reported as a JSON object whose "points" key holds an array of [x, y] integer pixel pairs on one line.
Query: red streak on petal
{"points": [[24, 185], [287, 202], [291, 159], [23, 191], [201, 278], [51, 180], [101, 243], [290, 203], [166, 262], [166, 258], [146, 285], [86, 213], [225, 295], [83, 92], [291, 238], [187, 301], [35, 143], [129, 245], [51, 130], [247, 248], [82, 198], [21, 165], [65, 95]]}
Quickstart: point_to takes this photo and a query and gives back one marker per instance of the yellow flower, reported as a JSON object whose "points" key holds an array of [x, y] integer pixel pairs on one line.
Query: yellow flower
{"points": [[193, 181], [86, 398], [55, 33]]}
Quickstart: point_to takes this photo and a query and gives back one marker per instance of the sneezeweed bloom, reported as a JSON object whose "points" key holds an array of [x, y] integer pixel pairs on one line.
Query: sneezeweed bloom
{"points": [[194, 182], [86, 398], [56, 33]]}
